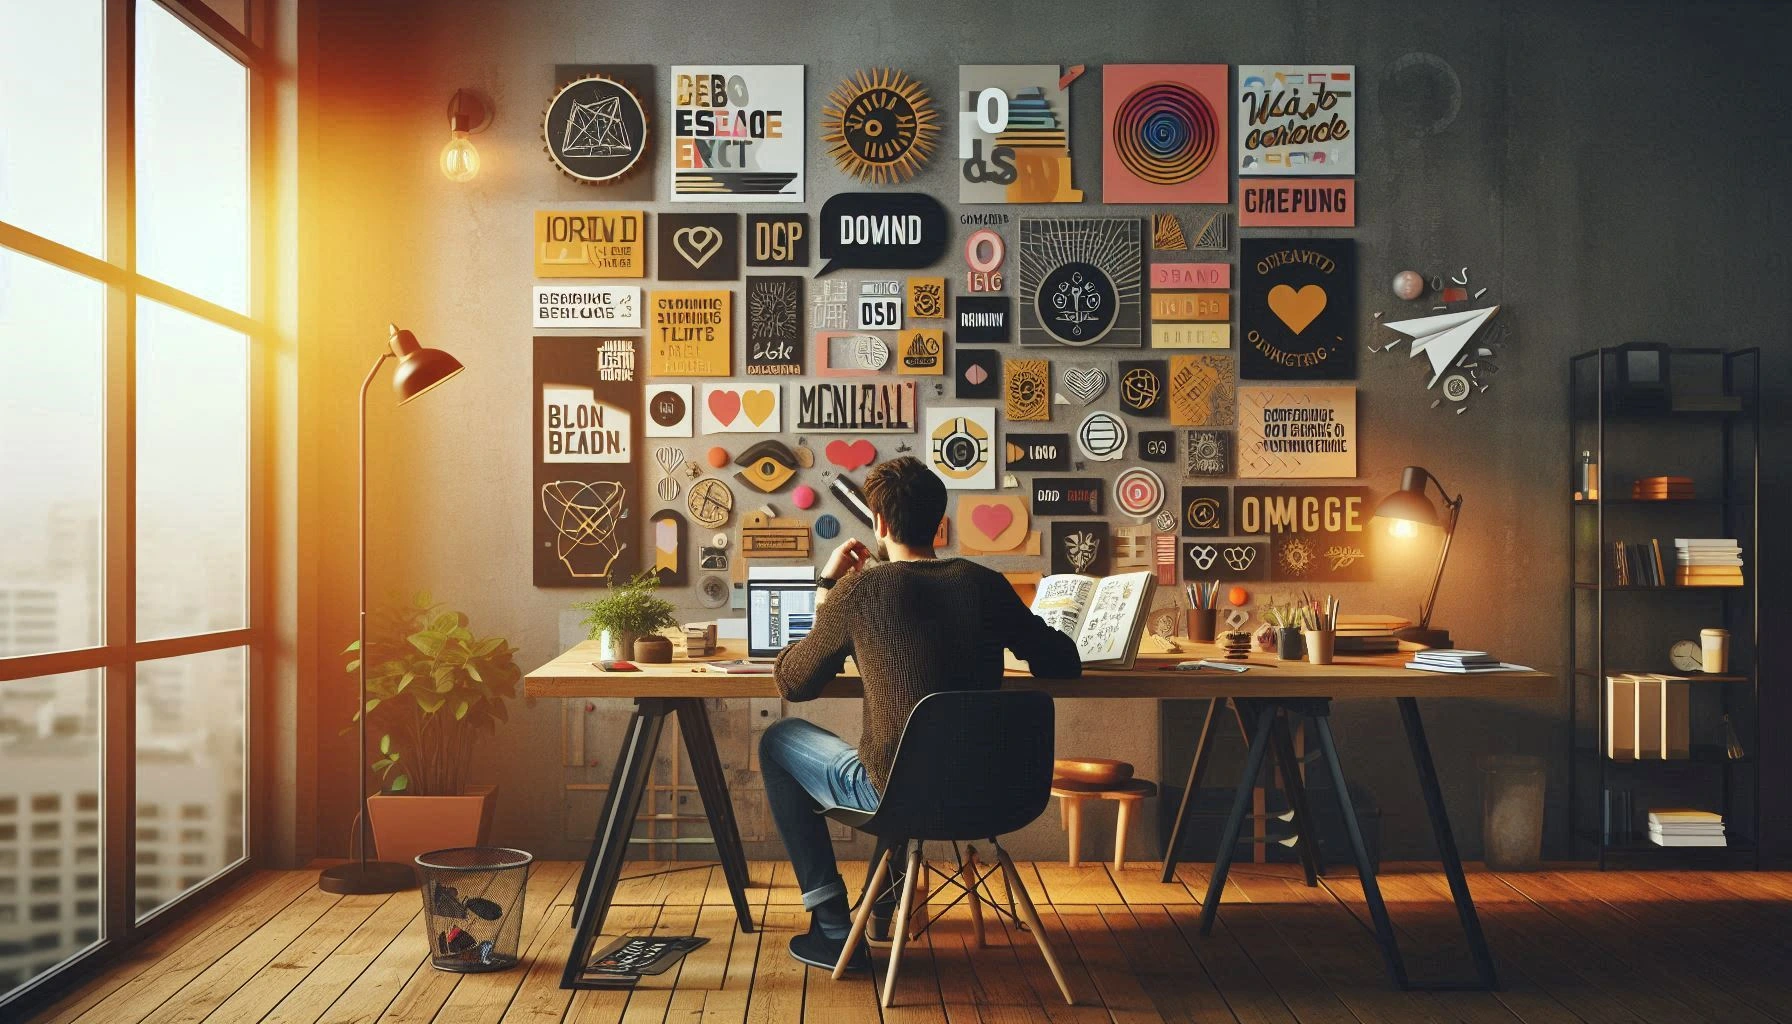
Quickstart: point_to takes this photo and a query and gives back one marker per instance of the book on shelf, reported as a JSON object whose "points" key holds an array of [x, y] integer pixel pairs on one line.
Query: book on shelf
{"points": [[1106, 617], [1647, 717], [1696, 563], [1662, 488], [1685, 826]]}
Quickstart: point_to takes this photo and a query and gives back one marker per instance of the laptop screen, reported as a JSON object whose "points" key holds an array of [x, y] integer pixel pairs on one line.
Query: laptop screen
{"points": [[779, 613]]}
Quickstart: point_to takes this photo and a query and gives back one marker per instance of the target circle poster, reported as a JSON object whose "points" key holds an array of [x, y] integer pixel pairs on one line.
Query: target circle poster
{"points": [[1165, 136]]}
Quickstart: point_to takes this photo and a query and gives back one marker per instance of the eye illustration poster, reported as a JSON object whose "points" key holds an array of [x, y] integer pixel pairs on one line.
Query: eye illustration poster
{"points": [[1297, 309], [1296, 119], [737, 133], [1014, 134], [1164, 133], [587, 438]]}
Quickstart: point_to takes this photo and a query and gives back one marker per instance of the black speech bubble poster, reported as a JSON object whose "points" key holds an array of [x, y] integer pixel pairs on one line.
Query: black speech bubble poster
{"points": [[1297, 309], [881, 231]]}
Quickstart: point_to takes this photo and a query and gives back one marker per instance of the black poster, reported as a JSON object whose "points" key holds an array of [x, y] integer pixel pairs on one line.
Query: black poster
{"points": [[1225, 560], [979, 373], [597, 127], [1209, 453], [1032, 453], [1067, 496], [1297, 309], [1080, 547], [982, 319], [1204, 512], [1141, 386], [777, 239], [587, 439], [698, 246], [1157, 445], [774, 313]]}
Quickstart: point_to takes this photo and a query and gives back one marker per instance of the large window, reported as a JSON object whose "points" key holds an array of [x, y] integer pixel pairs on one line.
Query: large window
{"points": [[129, 422]]}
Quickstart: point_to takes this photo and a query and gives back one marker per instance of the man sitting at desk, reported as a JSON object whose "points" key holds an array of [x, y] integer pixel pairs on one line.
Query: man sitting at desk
{"points": [[915, 624]]}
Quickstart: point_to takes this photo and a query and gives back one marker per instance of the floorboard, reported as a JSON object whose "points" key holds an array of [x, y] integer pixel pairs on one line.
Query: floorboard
{"points": [[1573, 946]]}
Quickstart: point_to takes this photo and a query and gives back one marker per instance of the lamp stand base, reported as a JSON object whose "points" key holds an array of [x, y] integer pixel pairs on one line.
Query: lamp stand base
{"points": [[358, 879], [1425, 637]]}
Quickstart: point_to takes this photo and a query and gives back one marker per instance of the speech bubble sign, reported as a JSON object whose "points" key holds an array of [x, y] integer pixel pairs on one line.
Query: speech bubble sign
{"points": [[881, 231]]}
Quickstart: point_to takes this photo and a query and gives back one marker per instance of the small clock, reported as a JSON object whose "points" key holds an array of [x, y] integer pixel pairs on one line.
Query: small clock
{"points": [[1687, 656]]}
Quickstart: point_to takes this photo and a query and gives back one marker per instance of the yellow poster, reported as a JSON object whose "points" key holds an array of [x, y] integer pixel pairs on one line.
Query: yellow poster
{"points": [[590, 243], [691, 334]]}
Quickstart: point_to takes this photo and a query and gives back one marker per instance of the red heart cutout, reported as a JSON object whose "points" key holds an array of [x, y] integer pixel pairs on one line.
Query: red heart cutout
{"points": [[850, 456], [992, 519], [724, 406]]}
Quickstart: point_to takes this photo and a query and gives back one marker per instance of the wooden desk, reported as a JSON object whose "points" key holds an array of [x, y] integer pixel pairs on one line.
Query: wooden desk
{"points": [[1263, 697]]}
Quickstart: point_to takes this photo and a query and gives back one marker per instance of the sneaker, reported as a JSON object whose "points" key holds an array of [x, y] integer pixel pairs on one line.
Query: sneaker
{"points": [[817, 950]]}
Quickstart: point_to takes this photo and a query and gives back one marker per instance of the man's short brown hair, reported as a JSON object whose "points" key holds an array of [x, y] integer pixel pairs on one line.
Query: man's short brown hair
{"points": [[911, 499]]}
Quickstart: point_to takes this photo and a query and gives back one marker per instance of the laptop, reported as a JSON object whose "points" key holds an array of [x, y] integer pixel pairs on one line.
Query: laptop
{"points": [[780, 610]]}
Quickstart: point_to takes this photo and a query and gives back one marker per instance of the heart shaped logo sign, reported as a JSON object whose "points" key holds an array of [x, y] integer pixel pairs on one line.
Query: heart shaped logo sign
{"points": [[1085, 382], [850, 456], [697, 244], [724, 406], [1297, 309], [992, 520], [759, 404]]}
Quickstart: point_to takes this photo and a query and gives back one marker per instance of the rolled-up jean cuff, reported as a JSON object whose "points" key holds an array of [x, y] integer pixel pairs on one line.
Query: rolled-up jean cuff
{"points": [[816, 897]]}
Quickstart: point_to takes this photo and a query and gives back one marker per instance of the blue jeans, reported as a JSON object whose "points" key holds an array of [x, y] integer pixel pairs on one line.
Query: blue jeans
{"points": [[807, 770]]}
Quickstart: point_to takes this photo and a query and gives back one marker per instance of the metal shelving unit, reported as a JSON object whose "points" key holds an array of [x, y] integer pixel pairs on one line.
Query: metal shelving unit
{"points": [[1720, 450]]}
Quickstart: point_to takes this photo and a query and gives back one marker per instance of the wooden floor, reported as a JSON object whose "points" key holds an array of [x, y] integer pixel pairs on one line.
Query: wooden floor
{"points": [[1572, 945]]}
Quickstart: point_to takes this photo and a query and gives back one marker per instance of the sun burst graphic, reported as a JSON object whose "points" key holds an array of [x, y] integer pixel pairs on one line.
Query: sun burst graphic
{"points": [[879, 126]]}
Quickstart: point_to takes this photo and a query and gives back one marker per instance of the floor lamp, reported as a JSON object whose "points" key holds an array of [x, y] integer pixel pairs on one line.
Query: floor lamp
{"points": [[419, 370]]}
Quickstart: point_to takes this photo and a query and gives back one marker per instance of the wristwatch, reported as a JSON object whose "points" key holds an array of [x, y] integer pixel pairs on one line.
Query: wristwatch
{"points": [[825, 583]]}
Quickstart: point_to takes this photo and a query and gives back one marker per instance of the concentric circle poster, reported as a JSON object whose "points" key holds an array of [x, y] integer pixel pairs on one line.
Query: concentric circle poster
{"points": [[1164, 133]]}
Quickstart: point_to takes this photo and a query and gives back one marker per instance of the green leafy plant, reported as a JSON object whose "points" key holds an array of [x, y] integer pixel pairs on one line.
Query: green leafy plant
{"points": [[432, 689], [628, 610]]}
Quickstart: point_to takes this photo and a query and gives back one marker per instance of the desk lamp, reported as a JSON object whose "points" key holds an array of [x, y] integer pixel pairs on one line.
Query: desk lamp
{"points": [[419, 370], [1406, 509]]}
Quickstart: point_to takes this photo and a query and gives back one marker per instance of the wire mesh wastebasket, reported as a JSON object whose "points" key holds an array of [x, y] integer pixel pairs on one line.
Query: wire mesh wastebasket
{"points": [[473, 906]]}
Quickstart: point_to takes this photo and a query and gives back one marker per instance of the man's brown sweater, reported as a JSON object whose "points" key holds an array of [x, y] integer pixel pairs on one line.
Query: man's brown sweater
{"points": [[916, 628]]}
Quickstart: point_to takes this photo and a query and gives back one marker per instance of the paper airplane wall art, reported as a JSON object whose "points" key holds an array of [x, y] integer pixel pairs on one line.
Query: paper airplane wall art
{"points": [[1443, 337]]}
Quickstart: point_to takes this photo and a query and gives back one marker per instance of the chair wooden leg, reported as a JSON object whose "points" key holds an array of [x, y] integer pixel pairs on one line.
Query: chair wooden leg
{"points": [[1025, 904], [1075, 809], [1063, 813], [969, 877], [899, 934], [1122, 816], [862, 918]]}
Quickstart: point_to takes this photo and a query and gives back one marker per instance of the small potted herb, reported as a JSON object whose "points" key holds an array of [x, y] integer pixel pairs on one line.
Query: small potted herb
{"points": [[626, 617]]}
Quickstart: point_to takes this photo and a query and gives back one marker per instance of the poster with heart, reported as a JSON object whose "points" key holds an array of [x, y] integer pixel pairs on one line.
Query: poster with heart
{"points": [[995, 524], [1296, 119], [1080, 546], [668, 411], [1297, 309], [1202, 391], [587, 414], [850, 455], [698, 246], [737, 133], [742, 409], [692, 334], [1225, 560], [1165, 137], [1014, 134], [1297, 433], [979, 373], [961, 444], [774, 326], [1080, 282], [1317, 534]]}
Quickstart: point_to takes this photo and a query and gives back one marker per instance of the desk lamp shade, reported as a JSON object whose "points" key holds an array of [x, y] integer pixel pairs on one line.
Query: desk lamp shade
{"points": [[1410, 506], [419, 368]]}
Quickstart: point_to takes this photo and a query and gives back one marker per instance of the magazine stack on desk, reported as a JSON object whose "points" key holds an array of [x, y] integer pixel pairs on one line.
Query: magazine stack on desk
{"points": [[1461, 662]]}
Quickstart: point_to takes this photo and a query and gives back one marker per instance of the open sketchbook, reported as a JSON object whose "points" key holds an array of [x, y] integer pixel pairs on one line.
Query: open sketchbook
{"points": [[1105, 617]]}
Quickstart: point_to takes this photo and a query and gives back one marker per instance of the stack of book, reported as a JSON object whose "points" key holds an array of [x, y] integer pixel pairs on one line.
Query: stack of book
{"points": [[1662, 488], [1460, 662], [1639, 563], [1715, 562], [1647, 717], [1677, 826], [1369, 634]]}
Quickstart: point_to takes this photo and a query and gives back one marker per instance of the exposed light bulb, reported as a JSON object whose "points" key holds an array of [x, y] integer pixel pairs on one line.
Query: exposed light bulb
{"points": [[460, 160], [1403, 528]]}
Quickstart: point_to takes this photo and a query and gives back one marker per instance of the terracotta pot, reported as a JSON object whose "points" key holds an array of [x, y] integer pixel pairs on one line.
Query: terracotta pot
{"points": [[404, 826], [653, 649]]}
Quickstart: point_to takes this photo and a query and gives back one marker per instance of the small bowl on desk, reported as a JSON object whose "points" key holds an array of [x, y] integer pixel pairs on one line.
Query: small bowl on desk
{"points": [[1092, 771], [653, 649]]}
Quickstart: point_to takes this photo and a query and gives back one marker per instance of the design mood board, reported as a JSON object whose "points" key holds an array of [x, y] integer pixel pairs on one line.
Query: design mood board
{"points": [[1101, 390]]}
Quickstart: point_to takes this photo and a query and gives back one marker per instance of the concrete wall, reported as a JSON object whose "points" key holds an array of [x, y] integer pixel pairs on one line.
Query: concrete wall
{"points": [[1609, 172]]}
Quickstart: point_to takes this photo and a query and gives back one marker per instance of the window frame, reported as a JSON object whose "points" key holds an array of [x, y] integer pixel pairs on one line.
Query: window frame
{"points": [[119, 653]]}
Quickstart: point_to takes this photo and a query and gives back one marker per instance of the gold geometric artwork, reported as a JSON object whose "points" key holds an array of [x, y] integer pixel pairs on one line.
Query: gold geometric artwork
{"points": [[879, 126]]}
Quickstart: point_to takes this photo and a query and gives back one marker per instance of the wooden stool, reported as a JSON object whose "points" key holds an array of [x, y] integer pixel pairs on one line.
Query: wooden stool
{"points": [[1071, 795]]}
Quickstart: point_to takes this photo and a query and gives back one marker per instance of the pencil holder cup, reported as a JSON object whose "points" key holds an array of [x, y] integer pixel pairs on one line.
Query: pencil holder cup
{"points": [[1288, 644], [1319, 645], [1201, 624]]}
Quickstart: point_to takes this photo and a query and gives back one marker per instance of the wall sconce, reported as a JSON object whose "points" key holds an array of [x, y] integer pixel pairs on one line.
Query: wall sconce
{"points": [[467, 115]]}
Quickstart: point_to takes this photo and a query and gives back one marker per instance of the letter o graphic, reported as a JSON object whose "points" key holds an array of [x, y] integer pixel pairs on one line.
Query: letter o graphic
{"points": [[980, 241]]}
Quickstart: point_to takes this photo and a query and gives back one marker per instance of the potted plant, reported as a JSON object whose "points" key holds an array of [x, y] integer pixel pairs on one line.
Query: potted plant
{"points": [[433, 688], [627, 612]]}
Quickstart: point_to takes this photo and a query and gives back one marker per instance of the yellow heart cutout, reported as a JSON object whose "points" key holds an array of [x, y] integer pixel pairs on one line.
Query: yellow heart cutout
{"points": [[1297, 309], [758, 405]]}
